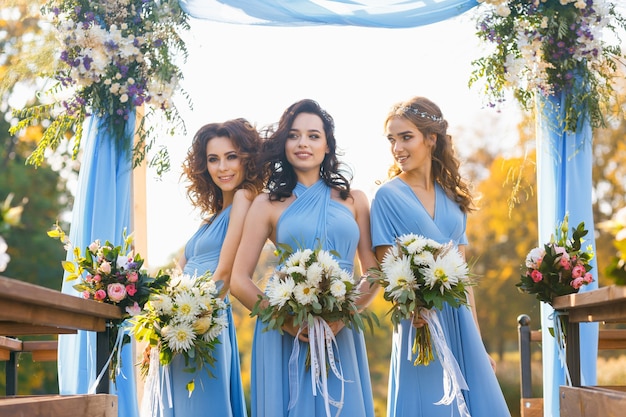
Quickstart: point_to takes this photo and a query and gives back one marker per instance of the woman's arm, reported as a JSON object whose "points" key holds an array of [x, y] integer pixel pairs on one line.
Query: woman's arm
{"points": [[241, 203], [257, 229], [367, 258]]}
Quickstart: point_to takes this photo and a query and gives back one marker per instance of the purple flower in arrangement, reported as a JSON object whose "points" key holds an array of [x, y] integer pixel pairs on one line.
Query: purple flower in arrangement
{"points": [[87, 60], [540, 41], [111, 45]]}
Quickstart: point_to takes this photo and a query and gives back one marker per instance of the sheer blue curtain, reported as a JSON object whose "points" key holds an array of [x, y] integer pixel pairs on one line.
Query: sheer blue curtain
{"points": [[564, 163], [368, 13], [101, 211]]}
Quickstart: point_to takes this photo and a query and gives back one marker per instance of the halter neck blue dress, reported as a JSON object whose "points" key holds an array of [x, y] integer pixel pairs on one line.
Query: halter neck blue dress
{"points": [[223, 395], [413, 390], [313, 218]]}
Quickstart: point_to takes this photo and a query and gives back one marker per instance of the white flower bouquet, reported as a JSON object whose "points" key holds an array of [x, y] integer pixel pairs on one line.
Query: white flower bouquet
{"points": [[186, 319], [419, 275], [311, 289], [309, 284]]}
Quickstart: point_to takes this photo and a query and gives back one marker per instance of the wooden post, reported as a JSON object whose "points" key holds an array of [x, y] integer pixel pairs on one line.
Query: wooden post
{"points": [[139, 225]]}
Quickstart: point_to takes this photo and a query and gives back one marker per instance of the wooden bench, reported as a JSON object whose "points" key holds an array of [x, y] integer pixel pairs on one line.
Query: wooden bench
{"points": [[27, 309], [11, 348], [533, 406]]}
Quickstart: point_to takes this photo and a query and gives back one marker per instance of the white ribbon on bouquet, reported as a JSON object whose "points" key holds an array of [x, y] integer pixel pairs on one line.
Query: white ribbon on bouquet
{"points": [[157, 382], [116, 351], [322, 342], [453, 380]]}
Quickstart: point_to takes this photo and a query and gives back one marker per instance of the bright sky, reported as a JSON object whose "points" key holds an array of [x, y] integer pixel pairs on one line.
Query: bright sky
{"points": [[355, 73]]}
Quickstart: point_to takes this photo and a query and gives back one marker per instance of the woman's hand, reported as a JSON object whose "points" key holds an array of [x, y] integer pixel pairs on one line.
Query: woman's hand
{"points": [[289, 327], [417, 320]]}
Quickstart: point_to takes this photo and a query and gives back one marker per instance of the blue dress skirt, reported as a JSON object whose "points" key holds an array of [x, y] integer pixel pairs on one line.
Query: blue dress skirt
{"points": [[413, 390], [221, 395], [312, 219]]}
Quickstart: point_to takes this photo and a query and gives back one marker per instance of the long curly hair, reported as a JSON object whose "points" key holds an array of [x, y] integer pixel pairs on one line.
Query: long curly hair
{"points": [[281, 177], [428, 119], [202, 191]]}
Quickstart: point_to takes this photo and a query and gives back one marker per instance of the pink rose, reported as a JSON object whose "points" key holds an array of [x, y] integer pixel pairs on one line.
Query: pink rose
{"points": [[577, 283], [88, 278], [116, 291], [578, 271], [132, 277], [100, 295], [131, 289], [134, 309], [588, 277], [94, 246], [536, 275], [86, 295], [564, 262], [97, 278]]}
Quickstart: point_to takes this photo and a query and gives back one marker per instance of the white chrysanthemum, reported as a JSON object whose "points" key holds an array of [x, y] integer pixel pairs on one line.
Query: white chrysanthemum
{"points": [[314, 274], [458, 270], [391, 257], [346, 276], [280, 291], [305, 294], [187, 307], [209, 287], [423, 258], [338, 289], [400, 277], [534, 257], [327, 260], [294, 269], [179, 336], [162, 304], [298, 258], [219, 324], [182, 282], [441, 272]]}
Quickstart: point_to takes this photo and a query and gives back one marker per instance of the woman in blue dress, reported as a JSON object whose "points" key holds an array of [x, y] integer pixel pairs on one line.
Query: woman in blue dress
{"points": [[427, 196], [223, 180], [309, 203]]}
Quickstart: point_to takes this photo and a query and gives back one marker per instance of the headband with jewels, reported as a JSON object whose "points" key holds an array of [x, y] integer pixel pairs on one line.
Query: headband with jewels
{"points": [[404, 109]]}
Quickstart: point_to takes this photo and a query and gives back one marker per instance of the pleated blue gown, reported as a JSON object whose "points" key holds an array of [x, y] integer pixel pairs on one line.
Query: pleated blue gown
{"points": [[413, 390], [221, 396], [313, 218]]}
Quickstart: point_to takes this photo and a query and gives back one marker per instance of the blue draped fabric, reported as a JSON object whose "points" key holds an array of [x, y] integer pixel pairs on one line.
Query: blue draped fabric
{"points": [[101, 211], [368, 13], [564, 163]]}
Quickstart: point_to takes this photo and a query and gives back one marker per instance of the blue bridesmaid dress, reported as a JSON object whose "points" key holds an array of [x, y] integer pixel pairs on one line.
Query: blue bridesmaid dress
{"points": [[413, 390], [221, 396], [312, 219]]}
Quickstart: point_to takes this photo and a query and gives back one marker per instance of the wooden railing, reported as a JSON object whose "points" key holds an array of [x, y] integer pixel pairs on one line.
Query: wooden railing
{"points": [[27, 309], [605, 304]]}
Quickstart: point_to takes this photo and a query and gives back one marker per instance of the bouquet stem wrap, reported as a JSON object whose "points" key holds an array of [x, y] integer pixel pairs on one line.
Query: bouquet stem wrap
{"points": [[322, 343], [152, 400], [453, 380]]}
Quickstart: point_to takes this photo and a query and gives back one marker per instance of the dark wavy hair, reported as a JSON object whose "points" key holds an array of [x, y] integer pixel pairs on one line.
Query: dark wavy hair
{"points": [[281, 177], [202, 191], [428, 119]]}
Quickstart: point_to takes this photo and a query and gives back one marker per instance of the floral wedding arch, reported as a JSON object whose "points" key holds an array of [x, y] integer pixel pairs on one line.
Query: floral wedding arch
{"points": [[116, 57]]}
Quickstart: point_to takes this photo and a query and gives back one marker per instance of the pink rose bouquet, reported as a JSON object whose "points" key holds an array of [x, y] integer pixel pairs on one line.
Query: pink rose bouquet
{"points": [[111, 274], [559, 267]]}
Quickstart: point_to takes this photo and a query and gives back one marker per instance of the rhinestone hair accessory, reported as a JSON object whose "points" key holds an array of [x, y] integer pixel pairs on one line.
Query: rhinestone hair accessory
{"points": [[419, 113]]}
